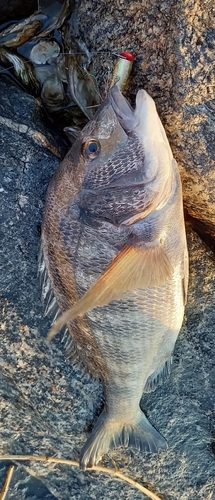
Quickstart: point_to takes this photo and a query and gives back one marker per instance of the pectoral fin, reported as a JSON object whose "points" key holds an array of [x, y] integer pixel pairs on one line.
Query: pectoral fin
{"points": [[132, 268]]}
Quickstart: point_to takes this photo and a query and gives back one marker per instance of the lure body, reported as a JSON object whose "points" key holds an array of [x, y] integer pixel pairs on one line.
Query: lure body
{"points": [[122, 70]]}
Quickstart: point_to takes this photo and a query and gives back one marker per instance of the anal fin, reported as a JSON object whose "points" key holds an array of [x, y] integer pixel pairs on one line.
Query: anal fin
{"points": [[159, 376]]}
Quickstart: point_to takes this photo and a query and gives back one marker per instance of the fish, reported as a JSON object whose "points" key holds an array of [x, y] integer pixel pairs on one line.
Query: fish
{"points": [[114, 264]]}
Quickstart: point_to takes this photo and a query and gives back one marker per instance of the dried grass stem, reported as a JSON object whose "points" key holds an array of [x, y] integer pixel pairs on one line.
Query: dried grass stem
{"points": [[6, 484], [97, 468]]}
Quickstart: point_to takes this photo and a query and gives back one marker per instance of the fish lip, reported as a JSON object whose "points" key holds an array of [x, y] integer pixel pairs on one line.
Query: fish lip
{"points": [[122, 108]]}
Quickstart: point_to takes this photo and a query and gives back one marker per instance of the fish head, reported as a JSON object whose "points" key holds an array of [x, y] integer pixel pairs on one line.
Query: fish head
{"points": [[99, 139], [123, 160]]}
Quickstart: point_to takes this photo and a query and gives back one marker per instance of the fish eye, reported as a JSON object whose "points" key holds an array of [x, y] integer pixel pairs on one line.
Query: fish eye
{"points": [[91, 148]]}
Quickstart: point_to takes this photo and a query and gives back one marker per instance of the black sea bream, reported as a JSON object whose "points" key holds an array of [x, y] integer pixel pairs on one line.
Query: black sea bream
{"points": [[114, 259]]}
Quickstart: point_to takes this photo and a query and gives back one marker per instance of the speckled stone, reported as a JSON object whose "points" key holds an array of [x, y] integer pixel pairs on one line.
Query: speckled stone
{"points": [[174, 45], [16, 9], [47, 404]]}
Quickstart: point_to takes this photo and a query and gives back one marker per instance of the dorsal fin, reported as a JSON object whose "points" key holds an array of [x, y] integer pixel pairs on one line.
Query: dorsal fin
{"points": [[132, 268]]}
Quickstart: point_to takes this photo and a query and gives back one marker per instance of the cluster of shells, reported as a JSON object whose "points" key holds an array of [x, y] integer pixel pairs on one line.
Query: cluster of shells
{"points": [[45, 54]]}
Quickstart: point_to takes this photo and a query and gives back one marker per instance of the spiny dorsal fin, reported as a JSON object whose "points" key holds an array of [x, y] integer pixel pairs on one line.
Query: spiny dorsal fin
{"points": [[132, 268]]}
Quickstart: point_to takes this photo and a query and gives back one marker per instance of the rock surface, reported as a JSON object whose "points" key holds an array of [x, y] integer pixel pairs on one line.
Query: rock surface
{"points": [[16, 9], [174, 47], [47, 404]]}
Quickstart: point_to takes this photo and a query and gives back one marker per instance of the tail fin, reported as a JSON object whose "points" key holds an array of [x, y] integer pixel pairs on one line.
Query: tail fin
{"points": [[108, 434]]}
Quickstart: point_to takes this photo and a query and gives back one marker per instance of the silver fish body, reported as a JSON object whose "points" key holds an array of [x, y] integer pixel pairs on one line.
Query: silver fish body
{"points": [[115, 251]]}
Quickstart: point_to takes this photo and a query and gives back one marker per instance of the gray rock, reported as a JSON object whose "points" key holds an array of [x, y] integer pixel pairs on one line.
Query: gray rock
{"points": [[174, 47], [48, 404], [16, 9]]}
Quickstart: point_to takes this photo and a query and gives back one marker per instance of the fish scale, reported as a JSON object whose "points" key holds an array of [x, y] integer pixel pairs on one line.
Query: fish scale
{"points": [[116, 259]]}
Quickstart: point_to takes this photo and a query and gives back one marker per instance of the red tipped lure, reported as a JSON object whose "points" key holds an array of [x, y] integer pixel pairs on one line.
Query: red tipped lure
{"points": [[122, 70]]}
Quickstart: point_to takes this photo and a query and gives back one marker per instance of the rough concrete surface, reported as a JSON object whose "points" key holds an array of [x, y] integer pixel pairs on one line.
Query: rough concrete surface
{"points": [[174, 43], [48, 404]]}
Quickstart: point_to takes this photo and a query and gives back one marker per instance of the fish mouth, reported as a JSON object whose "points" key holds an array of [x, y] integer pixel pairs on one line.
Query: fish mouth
{"points": [[124, 112], [144, 122]]}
